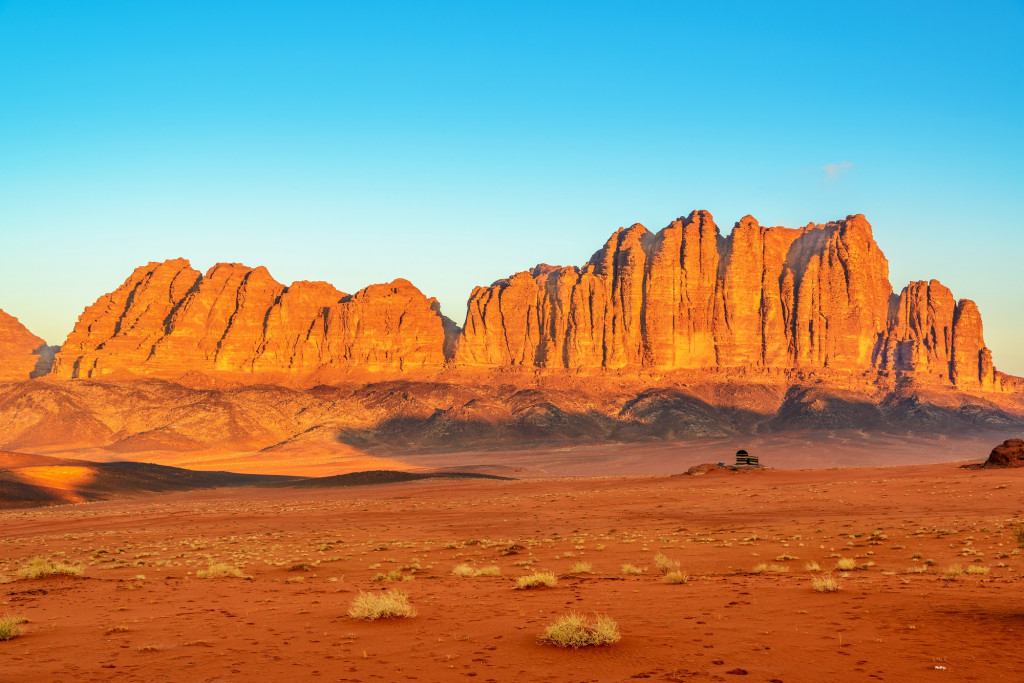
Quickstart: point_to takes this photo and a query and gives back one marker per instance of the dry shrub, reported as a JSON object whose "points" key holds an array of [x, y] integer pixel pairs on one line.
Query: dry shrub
{"points": [[633, 569], [575, 630], [676, 576], [665, 565], [393, 575], [952, 572], [40, 567], [977, 569], [536, 579], [383, 605], [581, 568], [846, 564], [220, 570], [10, 627], [763, 567], [824, 584], [467, 571]]}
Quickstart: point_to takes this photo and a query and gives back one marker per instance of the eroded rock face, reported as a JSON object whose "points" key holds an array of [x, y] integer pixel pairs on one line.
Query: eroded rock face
{"points": [[1008, 454], [168, 319], [817, 297], [22, 354]]}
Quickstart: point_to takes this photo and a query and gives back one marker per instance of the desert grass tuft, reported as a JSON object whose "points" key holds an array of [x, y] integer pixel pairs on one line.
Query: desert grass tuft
{"points": [[763, 567], [665, 565], [581, 568], [220, 570], [10, 627], [952, 572], [575, 631], [812, 566], [40, 567], [632, 569], [467, 571], [977, 569], [536, 579], [383, 605], [846, 564], [676, 576], [824, 584]]}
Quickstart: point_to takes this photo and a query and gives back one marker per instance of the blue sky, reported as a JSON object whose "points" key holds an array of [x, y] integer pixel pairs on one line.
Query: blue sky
{"points": [[456, 143]]}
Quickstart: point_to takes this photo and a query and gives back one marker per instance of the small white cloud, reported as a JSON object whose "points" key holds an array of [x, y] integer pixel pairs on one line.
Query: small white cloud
{"points": [[833, 171]]}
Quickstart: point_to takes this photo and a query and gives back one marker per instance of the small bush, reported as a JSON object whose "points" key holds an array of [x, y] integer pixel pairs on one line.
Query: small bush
{"points": [[575, 630], [40, 567], [952, 572], [536, 579], [916, 569], [384, 605], [220, 570], [976, 569], [467, 571], [10, 627], [824, 584], [393, 575], [581, 568], [762, 567], [846, 564], [812, 567], [676, 576], [632, 569], [665, 565]]}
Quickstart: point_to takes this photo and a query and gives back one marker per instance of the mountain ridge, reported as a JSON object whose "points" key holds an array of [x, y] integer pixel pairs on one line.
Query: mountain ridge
{"points": [[760, 299]]}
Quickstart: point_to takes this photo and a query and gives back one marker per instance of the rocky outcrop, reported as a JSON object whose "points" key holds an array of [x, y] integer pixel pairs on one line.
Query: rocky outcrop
{"points": [[814, 298], [932, 335], [168, 320], [1008, 454], [762, 299], [22, 354]]}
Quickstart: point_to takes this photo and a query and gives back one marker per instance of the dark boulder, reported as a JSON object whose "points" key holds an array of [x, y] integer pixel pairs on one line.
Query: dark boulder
{"points": [[1009, 454]]}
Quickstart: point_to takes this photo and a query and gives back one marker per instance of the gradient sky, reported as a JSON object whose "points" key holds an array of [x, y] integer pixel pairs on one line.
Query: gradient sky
{"points": [[456, 143]]}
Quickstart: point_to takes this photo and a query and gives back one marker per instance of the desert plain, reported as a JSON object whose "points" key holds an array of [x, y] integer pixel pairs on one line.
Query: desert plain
{"points": [[214, 471], [926, 558]]}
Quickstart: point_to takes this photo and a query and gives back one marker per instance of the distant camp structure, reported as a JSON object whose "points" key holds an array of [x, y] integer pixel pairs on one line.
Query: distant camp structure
{"points": [[746, 459]]}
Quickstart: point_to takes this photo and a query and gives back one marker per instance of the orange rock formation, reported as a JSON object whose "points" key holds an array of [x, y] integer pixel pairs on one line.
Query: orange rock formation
{"points": [[814, 298], [168, 320], [817, 297], [22, 354]]}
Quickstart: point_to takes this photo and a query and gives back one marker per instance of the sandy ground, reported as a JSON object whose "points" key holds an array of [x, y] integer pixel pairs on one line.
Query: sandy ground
{"points": [[788, 450], [139, 612]]}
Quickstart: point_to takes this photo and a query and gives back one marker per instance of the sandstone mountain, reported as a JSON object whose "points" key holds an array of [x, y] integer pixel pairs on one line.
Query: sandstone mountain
{"points": [[22, 354], [762, 298], [679, 334], [169, 320]]}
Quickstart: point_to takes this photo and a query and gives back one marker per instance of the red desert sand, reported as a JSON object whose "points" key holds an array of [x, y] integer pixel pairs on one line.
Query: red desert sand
{"points": [[933, 587]]}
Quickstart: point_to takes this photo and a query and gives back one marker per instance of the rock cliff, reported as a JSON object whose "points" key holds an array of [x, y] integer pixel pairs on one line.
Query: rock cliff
{"points": [[22, 354], [762, 299], [813, 298], [168, 320]]}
